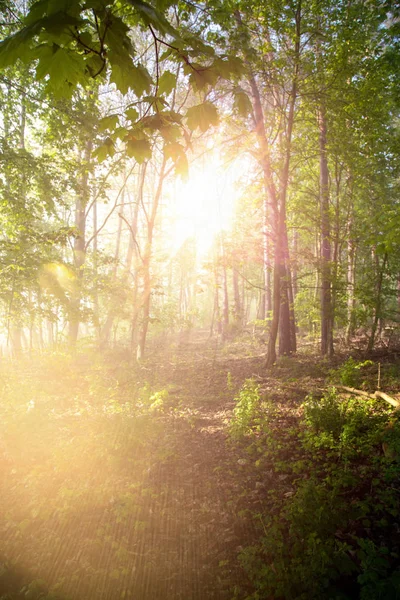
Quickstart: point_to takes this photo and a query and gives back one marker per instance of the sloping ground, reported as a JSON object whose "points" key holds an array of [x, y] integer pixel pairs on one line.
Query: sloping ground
{"points": [[112, 488], [127, 502]]}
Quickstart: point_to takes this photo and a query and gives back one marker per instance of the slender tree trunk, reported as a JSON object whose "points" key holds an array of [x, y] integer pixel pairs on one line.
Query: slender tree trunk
{"points": [[351, 278], [216, 316], [289, 322], [225, 310], [95, 270], [134, 252], [146, 263], [398, 293], [326, 297], [380, 269], [295, 262], [237, 306], [275, 204], [79, 246], [282, 277], [106, 330], [336, 249]]}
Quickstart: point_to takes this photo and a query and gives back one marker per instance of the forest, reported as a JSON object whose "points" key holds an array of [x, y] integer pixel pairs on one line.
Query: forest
{"points": [[200, 300]]}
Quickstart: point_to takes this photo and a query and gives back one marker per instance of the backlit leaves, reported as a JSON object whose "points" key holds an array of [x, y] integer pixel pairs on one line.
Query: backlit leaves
{"points": [[166, 83], [109, 122], [151, 16], [202, 116], [105, 150], [242, 103], [65, 69], [177, 153], [138, 148], [127, 76]]}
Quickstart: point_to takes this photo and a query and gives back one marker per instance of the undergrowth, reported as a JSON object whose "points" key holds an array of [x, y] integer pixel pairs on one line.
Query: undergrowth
{"points": [[333, 529]]}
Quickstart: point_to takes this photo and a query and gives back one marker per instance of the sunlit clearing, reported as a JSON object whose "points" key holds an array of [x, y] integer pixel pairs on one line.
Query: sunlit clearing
{"points": [[204, 204]]}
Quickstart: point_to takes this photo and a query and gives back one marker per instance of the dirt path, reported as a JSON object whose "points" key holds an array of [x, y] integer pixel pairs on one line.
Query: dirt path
{"points": [[197, 482]]}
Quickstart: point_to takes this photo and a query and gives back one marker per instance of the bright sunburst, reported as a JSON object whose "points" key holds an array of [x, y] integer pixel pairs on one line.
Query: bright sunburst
{"points": [[204, 204]]}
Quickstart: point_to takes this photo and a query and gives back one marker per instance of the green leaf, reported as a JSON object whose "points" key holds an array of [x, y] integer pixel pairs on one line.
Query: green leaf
{"points": [[120, 133], [71, 7], [152, 16], [65, 69], [109, 122], [36, 12], [202, 116], [170, 133], [201, 77], [242, 103], [97, 5], [17, 46], [132, 114], [127, 76], [105, 150], [59, 22], [141, 80], [94, 65], [230, 67], [177, 153], [139, 149], [166, 83], [120, 46], [174, 150]]}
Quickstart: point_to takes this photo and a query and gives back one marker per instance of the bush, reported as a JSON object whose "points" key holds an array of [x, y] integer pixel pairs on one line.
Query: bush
{"points": [[247, 412], [352, 373]]}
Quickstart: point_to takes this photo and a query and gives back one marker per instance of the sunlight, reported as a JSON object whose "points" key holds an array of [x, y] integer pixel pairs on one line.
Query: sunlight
{"points": [[204, 204]]}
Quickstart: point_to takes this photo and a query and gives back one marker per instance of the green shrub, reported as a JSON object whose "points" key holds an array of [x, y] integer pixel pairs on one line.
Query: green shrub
{"points": [[351, 373], [247, 411], [351, 426]]}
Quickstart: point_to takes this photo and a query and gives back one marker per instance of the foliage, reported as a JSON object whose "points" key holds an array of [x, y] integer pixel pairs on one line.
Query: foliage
{"points": [[333, 535], [352, 373], [247, 413]]}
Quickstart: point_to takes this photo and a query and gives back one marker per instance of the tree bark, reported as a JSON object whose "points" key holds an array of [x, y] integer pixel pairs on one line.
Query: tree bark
{"points": [[237, 306], [79, 246], [326, 295], [146, 263], [378, 300], [351, 282]]}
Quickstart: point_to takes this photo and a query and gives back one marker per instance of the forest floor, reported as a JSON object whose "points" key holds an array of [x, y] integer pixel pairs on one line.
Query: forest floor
{"points": [[171, 480]]}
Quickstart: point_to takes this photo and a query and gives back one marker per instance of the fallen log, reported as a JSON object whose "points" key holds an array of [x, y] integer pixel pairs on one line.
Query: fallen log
{"points": [[389, 399], [354, 391], [393, 401]]}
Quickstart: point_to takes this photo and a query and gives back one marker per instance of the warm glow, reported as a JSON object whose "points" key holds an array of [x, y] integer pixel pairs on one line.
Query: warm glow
{"points": [[204, 204]]}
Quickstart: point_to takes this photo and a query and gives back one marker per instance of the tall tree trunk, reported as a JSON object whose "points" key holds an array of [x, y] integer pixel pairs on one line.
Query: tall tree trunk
{"points": [[274, 203], [216, 317], [288, 320], [282, 278], [237, 306], [79, 245], [295, 263], [96, 314], [225, 310], [134, 252], [336, 248], [326, 296], [351, 278], [146, 263], [106, 330], [380, 271]]}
